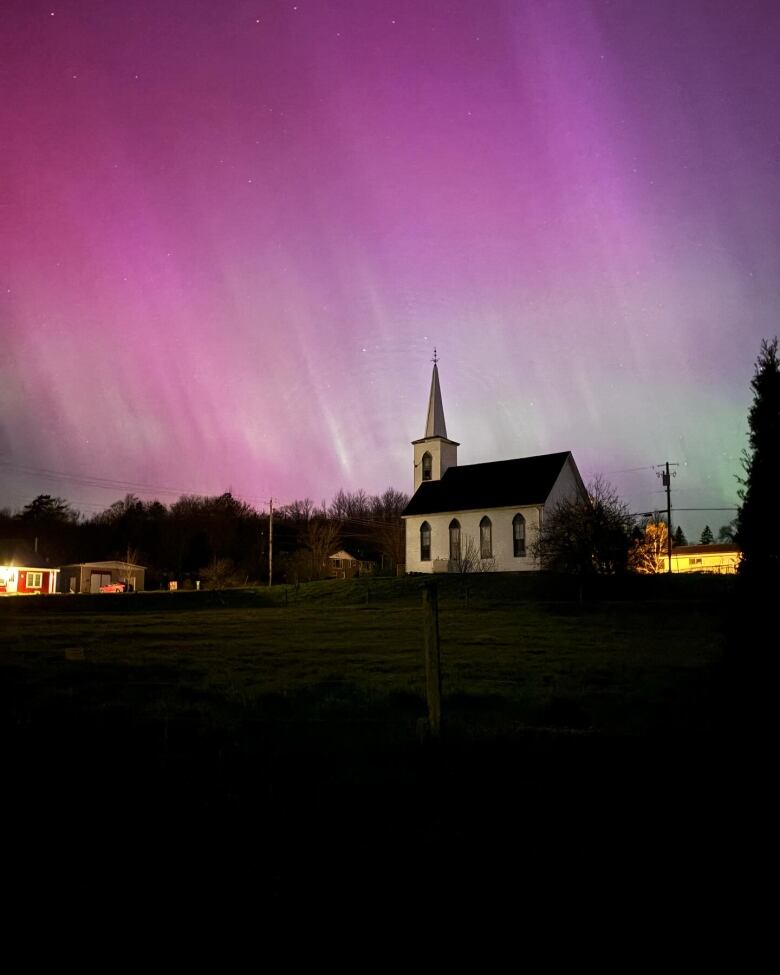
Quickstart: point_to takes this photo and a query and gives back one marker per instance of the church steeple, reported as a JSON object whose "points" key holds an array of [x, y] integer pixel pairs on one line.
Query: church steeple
{"points": [[435, 425], [434, 452]]}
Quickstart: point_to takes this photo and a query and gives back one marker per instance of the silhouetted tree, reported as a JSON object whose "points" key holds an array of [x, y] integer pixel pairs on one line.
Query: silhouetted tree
{"points": [[728, 533], [647, 554], [707, 538], [298, 510], [587, 536], [45, 508], [52, 522], [469, 558], [320, 538], [760, 552], [219, 574], [678, 538]]}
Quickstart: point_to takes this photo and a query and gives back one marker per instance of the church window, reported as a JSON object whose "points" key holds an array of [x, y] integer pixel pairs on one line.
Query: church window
{"points": [[427, 466], [455, 540], [485, 538], [425, 542], [518, 535]]}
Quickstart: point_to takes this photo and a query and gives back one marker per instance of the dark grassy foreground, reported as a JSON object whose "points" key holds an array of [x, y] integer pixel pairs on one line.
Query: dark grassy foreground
{"points": [[293, 724]]}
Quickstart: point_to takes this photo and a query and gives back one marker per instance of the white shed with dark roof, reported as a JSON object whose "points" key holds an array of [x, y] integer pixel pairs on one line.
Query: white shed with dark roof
{"points": [[479, 516], [94, 577]]}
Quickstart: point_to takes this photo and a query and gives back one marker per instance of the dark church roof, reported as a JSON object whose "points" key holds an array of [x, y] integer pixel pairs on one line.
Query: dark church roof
{"points": [[497, 484]]}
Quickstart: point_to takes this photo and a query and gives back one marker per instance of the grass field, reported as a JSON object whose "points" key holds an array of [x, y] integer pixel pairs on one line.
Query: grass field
{"points": [[252, 703]]}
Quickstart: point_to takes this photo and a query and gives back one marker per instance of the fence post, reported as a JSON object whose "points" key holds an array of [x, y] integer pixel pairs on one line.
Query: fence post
{"points": [[432, 657]]}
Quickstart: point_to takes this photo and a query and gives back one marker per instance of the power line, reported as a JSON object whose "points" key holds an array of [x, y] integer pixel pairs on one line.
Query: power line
{"points": [[91, 480], [707, 509], [627, 470], [109, 483]]}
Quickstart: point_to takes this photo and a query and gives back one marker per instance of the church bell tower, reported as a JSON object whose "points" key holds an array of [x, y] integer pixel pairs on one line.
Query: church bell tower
{"points": [[434, 452]]}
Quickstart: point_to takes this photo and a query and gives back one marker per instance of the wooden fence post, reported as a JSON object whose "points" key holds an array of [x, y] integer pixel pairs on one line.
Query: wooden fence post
{"points": [[432, 657]]}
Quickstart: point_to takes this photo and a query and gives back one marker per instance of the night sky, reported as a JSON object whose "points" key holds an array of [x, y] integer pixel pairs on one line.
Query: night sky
{"points": [[233, 233]]}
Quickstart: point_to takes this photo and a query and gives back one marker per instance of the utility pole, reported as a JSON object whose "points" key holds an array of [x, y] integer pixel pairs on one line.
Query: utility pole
{"points": [[666, 479], [270, 541]]}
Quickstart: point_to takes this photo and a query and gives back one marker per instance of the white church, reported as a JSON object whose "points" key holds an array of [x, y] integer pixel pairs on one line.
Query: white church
{"points": [[478, 516]]}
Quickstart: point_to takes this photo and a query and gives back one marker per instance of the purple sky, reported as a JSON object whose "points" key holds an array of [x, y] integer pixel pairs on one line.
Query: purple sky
{"points": [[233, 232]]}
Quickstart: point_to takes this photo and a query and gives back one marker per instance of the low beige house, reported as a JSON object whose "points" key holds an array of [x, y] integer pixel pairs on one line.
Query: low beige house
{"points": [[93, 576], [721, 559], [342, 565]]}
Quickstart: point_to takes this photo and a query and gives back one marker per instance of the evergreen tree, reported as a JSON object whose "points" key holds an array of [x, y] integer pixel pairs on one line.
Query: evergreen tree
{"points": [[760, 553], [45, 509], [728, 533], [707, 538], [679, 537]]}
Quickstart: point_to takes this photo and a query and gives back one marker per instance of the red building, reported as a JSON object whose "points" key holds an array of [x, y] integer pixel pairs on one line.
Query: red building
{"points": [[27, 579]]}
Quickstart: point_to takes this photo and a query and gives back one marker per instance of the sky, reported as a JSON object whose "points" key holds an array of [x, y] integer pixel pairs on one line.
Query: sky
{"points": [[233, 233]]}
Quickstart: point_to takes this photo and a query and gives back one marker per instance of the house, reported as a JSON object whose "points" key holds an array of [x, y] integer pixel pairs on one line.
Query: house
{"points": [[722, 559], [31, 577], [478, 516], [94, 576], [342, 565], [23, 570]]}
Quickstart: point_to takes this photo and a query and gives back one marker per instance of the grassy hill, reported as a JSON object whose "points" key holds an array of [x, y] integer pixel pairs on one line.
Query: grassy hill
{"points": [[275, 705]]}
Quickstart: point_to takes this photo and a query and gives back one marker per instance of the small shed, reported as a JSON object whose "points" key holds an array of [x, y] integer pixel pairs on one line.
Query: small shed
{"points": [[21, 579], [86, 577], [343, 565]]}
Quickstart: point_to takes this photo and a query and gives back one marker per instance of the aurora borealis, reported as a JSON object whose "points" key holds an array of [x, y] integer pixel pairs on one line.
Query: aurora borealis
{"points": [[233, 233]]}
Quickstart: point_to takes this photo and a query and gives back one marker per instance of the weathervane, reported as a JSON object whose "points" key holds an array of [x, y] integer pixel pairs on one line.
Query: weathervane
{"points": [[435, 358]]}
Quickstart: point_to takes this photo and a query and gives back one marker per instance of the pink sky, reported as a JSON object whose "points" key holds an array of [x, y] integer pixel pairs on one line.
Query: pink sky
{"points": [[233, 234]]}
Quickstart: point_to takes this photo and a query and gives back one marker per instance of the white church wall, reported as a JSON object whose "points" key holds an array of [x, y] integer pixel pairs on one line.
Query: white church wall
{"points": [[568, 485], [502, 538]]}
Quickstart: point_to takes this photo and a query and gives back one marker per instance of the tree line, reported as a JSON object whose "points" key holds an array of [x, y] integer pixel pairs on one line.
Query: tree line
{"points": [[223, 540], [220, 540]]}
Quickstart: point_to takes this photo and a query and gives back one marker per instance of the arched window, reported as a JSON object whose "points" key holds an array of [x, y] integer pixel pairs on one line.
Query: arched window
{"points": [[427, 466], [425, 542], [455, 540], [518, 535], [485, 538]]}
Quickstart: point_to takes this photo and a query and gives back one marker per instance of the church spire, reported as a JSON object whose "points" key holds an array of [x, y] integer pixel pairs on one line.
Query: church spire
{"points": [[435, 425], [435, 452]]}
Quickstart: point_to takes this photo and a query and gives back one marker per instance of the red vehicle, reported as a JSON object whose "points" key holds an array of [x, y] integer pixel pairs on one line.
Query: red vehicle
{"points": [[114, 587]]}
